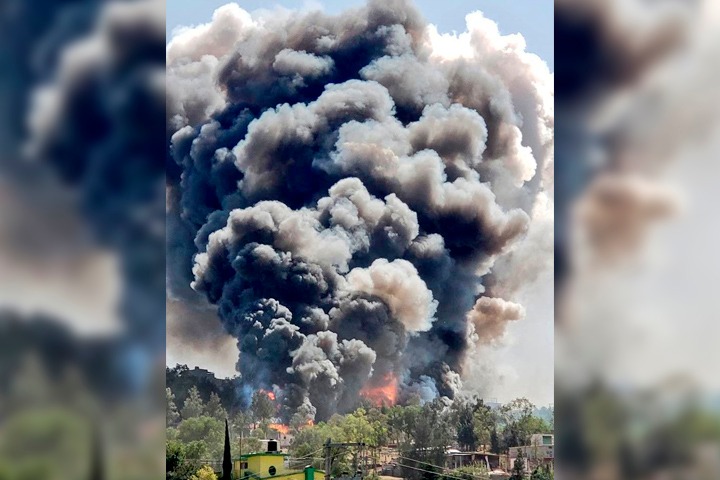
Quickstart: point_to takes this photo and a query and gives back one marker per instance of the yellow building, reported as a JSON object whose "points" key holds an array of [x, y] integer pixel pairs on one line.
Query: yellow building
{"points": [[271, 465]]}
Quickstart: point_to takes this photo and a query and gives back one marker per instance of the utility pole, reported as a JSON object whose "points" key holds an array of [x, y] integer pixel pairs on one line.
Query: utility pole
{"points": [[328, 460], [328, 453], [365, 461], [241, 472]]}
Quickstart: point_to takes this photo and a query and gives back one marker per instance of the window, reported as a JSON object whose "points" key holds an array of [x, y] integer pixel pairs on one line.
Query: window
{"points": [[272, 470]]}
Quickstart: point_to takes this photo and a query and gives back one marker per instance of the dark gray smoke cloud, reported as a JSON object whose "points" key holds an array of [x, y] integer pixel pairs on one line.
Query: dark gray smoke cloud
{"points": [[96, 118], [348, 181], [82, 220]]}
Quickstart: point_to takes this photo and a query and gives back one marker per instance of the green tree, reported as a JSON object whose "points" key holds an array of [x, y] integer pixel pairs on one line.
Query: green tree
{"points": [[533, 425], [519, 423], [263, 428], [171, 412], [251, 444], [355, 427], [193, 406], [367, 426], [196, 450], [178, 462], [308, 443], [214, 408], [485, 422], [396, 423], [206, 430], [379, 423], [518, 470], [494, 442], [430, 433], [262, 407], [470, 472], [464, 425], [205, 473], [542, 473], [411, 416], [37, 441], [240, 421]]}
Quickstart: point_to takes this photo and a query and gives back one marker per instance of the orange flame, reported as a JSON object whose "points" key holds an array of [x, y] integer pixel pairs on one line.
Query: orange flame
{"points": [[386, 393], [310, 423], [280, 428], [270, 395]]}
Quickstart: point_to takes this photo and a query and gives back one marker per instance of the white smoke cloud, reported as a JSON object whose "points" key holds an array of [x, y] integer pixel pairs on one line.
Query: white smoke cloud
{"points": [[398, 284]]}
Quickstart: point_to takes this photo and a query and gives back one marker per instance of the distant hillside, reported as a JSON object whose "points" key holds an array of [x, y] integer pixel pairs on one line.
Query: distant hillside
{"points": [[546, 413], [58, 349], [180, 379]]}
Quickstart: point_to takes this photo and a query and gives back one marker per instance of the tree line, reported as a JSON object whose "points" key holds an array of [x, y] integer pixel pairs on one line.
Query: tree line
{"points": [[420, 432]]}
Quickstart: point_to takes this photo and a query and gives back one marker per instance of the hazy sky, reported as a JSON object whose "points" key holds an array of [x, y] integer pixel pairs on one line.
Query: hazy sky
{"points": [[532, 18], [527, 357]]}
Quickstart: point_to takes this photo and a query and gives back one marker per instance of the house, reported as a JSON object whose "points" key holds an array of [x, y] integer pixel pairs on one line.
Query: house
{"points": [[542, 439], [541, 451], [455, 459], [281, 433], [271, 465], [277, 431]]}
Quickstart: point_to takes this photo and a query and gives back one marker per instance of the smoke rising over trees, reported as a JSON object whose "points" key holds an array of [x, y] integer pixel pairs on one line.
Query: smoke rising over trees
{"points": [[419, 433], [344, 189]]}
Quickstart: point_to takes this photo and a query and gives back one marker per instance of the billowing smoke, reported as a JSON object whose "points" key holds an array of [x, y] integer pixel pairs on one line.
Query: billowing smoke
{"points": [[349, 180], [489, 316], [85, 122], [96, 117]]}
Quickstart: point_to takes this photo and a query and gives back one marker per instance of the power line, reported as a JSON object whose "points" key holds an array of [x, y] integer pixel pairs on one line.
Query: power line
{"points": [[445, 469], [308, 455], [436, 473]]}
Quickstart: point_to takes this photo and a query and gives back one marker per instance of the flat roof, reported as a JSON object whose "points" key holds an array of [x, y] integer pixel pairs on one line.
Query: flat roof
{"points": [[473, 453], [285, 474], [261, 454]]}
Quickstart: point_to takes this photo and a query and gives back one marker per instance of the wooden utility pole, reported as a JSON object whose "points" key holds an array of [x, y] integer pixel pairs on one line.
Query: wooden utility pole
{"points": [[328, 459], [328, 453], [241, 471]]}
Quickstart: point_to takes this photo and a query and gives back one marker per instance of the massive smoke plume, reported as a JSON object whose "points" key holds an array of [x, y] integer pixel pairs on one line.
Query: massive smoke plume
{"points": [[97, 121], [349, 181]]}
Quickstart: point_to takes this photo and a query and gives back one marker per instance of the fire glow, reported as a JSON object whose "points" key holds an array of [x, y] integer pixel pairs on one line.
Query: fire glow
{"points": [[384, 394], [327, 227], [280, 428]]}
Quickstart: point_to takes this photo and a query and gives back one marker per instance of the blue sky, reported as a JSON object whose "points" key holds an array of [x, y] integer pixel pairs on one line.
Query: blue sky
{"points": [[532, 18]]}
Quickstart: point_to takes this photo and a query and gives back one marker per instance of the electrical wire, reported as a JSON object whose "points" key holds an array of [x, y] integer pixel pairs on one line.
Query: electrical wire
{"points": [[436, 473], [436, 466], [308, 455]]}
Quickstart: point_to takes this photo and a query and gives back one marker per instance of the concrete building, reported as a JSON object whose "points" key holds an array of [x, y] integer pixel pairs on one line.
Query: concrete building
{"points": [[271, 465], [541, 451], [281, 433], [455, 459]]}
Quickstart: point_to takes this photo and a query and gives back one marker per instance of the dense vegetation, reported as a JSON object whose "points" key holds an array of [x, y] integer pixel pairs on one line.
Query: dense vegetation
{"points": [[420, 432], [66, 410]]}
